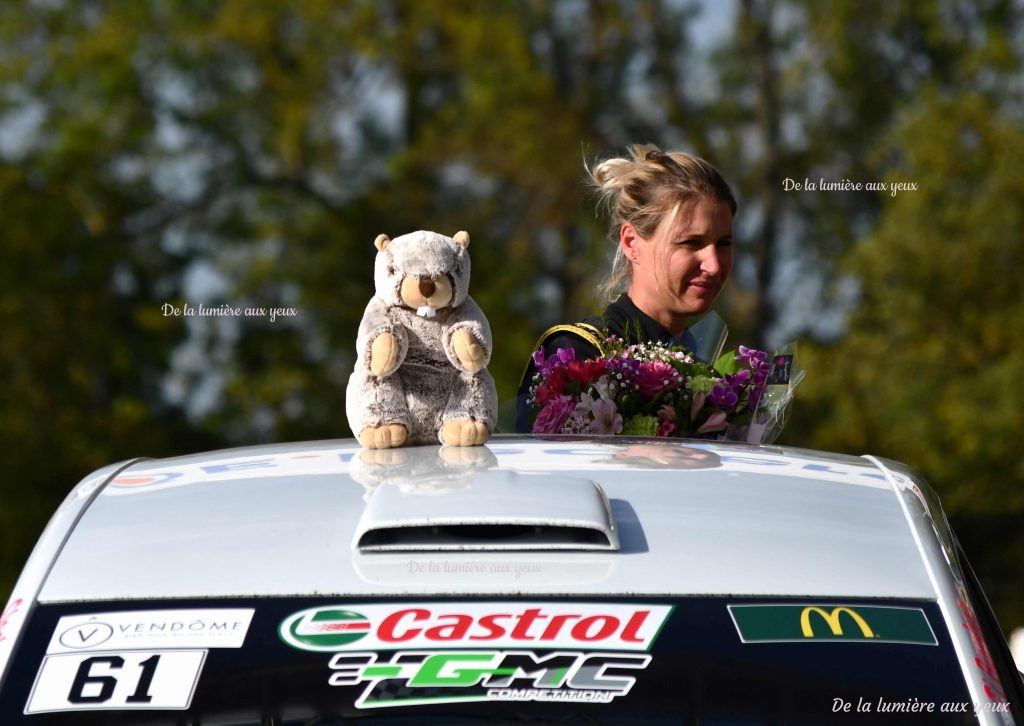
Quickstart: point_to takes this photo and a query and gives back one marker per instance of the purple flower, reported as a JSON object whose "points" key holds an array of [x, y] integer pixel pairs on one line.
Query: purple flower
{"points": [[628, 367], [726, 393], [738, 379], [560, 358], [564, 355], [750, 356], [757, 390], [723, 397], [551, 418]]}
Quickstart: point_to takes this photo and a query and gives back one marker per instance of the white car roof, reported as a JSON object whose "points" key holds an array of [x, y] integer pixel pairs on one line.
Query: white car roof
{"points": [[676, 518]]}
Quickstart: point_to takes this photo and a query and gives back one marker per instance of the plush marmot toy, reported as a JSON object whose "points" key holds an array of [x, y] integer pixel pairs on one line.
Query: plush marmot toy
{"points": [[422, 349]]}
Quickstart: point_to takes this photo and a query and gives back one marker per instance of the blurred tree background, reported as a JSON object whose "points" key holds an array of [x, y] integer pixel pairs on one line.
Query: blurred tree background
{"points": [[247, 152]]}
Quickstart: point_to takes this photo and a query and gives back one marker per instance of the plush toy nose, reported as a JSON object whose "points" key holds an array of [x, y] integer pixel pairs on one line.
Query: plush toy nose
{"points": [[426, 287]]}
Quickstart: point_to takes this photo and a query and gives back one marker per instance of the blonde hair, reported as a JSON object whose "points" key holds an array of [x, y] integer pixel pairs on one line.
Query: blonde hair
{"points": [[642, 189]]}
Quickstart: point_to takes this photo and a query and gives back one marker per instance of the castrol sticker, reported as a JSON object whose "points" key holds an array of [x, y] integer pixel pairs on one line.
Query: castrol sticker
{"points": [[432, 625]]}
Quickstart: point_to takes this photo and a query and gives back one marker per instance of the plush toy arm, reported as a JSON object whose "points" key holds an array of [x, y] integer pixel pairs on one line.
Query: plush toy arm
{"points": [[382, 342], [467, 338]]}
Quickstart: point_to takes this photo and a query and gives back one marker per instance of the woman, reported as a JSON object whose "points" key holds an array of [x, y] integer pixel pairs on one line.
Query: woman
{"points": [[671, 216]]}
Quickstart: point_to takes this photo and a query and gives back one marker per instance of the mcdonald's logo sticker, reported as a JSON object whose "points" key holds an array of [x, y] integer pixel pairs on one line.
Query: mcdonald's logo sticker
{"points": [[817, 622], [832, 620]]}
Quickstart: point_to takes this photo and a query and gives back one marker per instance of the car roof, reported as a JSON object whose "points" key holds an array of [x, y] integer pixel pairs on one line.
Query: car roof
{"points": [[679, 518]]}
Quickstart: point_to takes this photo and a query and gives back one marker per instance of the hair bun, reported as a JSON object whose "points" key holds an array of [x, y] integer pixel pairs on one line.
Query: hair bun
{"points": [[608, 174]]}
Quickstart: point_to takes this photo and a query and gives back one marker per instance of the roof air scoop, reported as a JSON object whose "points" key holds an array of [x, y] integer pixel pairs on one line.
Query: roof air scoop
{"points": [[498, 511]]}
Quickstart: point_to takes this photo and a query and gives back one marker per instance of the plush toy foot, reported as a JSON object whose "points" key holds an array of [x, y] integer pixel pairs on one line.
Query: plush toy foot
{"points": [[388, 436], [464, 433]]}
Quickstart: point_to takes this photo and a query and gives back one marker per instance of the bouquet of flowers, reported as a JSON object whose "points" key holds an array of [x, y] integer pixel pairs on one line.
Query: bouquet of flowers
{"points": [[651, 389]]}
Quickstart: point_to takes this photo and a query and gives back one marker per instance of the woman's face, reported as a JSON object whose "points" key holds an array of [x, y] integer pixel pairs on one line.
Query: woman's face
{"points": [[679, 271]]}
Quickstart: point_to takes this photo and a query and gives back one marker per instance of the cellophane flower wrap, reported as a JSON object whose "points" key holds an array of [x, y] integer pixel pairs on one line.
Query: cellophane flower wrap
{"points": [[651, 389]]}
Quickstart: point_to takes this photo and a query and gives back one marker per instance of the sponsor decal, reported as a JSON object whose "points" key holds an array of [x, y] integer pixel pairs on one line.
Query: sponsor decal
{"points": [[86, 635], [149, 629], [461, 652], [816, 623], [90, 485], [985, 666], [8, 614], [116, 680], [916, 491], [507, 624], [328, 461], [747, 462], [326, 629], [452, 676]]}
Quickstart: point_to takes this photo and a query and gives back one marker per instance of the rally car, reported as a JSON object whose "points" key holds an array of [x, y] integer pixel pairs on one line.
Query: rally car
{"points": [[531, 580]]}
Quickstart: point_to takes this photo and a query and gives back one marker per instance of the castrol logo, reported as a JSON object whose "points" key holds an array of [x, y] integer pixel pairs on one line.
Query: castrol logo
{"points": [[375, 626]]}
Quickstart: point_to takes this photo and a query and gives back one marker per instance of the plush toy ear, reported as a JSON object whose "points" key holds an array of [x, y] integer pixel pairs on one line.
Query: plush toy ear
{"points": [[382, 242], [462, 238]]}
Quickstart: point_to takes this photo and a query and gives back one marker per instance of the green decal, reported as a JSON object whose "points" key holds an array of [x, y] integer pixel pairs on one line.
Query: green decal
{"points": [[815, 623], [446, 669], [383, 671], [323, 628]]}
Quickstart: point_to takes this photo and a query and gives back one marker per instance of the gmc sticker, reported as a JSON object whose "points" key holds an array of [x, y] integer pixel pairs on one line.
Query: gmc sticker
{"points": [[408, 678]]}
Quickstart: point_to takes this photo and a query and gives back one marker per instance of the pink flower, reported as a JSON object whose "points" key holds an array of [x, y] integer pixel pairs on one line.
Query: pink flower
{"points": [[552, 416], [600, 414], [697, 404], [716, 422], [607, 419], [654, 376], [665, 428]]}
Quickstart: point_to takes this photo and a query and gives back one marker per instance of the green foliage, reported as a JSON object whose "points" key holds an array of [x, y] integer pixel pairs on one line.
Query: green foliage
{"points": [[727, 363], [928, 372], [640, 426]]}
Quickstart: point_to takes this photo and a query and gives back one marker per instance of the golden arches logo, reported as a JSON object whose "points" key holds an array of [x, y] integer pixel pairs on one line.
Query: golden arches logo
{"points": [[832, 620]]}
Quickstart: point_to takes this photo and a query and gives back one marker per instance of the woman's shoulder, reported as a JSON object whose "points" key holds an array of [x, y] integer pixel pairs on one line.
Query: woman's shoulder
{"points": [[585, 338]]}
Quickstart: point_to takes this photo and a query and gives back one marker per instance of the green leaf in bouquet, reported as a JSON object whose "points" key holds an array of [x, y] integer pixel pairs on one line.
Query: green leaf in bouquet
{"points": [[702, 384], [640, 426], [727, 363]]}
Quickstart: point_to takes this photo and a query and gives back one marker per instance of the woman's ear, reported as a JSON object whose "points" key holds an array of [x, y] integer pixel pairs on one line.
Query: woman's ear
{"points": [[629, 241]]}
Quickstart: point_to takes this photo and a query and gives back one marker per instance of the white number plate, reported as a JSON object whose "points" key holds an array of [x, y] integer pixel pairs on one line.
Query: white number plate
{"points": [[116, 680]]}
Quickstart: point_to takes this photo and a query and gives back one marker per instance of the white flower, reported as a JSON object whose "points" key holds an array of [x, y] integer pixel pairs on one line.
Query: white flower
{"points": [[604, 417], [607, 420], [603, 386]]}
